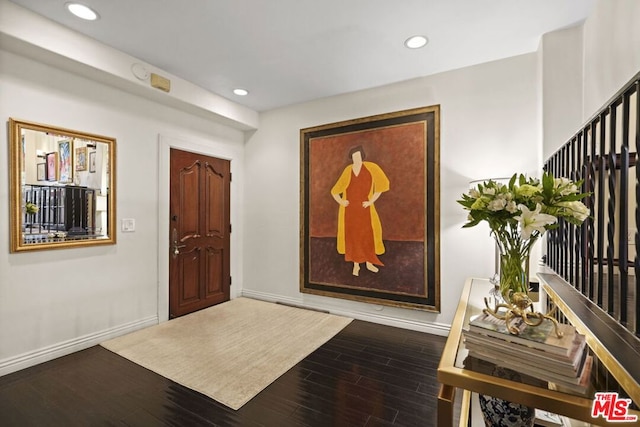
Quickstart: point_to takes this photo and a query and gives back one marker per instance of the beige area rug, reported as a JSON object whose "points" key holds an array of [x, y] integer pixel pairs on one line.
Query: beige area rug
{"points": [[230, 352]]}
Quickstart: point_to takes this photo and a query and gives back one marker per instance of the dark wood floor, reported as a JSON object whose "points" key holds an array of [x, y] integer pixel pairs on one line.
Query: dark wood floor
{"points": [[367, 375]]}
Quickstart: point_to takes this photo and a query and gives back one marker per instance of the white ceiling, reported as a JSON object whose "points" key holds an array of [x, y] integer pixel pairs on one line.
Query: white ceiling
{"points": [[290, 51]]}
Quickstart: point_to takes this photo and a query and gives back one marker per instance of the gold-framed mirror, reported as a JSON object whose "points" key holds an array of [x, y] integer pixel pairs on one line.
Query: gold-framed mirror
{"points": [[62, 187]]}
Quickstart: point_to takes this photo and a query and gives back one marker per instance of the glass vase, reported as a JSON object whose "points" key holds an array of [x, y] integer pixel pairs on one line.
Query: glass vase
{"points": [[514, 271]]}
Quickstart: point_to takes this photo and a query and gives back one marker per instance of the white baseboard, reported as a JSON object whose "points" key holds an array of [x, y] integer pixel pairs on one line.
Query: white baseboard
{"points": [[32, 358], [430, 328]]}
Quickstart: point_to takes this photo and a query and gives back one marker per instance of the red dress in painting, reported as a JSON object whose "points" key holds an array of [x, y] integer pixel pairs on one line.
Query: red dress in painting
{"points": [[359, 239], [359, 235]]}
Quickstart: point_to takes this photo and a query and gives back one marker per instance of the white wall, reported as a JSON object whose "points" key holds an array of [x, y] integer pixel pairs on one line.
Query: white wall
{"points": [[611, 51], [52, 302], [489, 128], [562, 70], [600, 57]]}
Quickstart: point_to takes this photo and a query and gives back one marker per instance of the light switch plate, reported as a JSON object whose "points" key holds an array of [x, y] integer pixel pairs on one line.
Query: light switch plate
{"points": [[128, 225]]}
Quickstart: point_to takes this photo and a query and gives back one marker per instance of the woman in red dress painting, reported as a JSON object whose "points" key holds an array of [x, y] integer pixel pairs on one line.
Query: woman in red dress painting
{"points": [[359, 228]]}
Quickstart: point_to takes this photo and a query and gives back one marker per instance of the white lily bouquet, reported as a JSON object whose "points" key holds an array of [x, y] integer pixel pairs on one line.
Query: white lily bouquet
{"points": [[518, 214]]}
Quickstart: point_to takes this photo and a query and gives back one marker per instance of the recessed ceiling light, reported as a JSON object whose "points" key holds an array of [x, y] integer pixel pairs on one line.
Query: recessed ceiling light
{"points": [[416, 42], [82, 11], [241, 92]]}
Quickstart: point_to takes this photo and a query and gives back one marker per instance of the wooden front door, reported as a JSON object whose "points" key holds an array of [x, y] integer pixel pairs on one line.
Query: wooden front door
{"points": [[199, 231]]}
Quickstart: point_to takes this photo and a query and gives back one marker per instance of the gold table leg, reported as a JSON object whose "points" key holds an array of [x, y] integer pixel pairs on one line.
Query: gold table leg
{"points": [[446, 396]]}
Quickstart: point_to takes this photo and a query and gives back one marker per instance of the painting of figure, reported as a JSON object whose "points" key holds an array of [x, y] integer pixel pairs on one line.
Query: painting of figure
{"points": [[65, 174], [359, 234], [369, 209]]}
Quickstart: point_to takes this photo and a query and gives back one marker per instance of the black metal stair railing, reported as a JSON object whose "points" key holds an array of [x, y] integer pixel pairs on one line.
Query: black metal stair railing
{"points": [[599, 258]]}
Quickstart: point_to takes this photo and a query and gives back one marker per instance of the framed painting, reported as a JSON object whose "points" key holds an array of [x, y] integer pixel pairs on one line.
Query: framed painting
{"points": [[41, 171], [92, 162], [52, 166], [65, 162], [81, 159], [370, 221]]}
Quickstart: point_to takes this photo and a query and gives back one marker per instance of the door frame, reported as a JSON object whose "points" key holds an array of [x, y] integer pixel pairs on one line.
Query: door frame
{"points": [[165, 144]]}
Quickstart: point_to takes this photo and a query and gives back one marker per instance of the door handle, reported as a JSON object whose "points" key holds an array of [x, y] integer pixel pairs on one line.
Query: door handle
{"points": [[176, 246]]}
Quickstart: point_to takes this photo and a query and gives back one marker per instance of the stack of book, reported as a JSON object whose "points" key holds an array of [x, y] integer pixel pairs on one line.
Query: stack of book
{"points": [[536, 351]]}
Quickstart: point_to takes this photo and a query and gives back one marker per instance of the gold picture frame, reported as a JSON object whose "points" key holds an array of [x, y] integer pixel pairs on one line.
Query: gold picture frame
{"points": [[68, 215]]}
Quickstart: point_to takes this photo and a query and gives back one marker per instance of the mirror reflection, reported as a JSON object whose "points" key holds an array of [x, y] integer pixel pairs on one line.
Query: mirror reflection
{"points": [[62, 184]]}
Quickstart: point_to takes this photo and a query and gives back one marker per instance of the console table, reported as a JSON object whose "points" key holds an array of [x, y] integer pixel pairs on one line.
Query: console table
{"points": [[452, 375]]}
